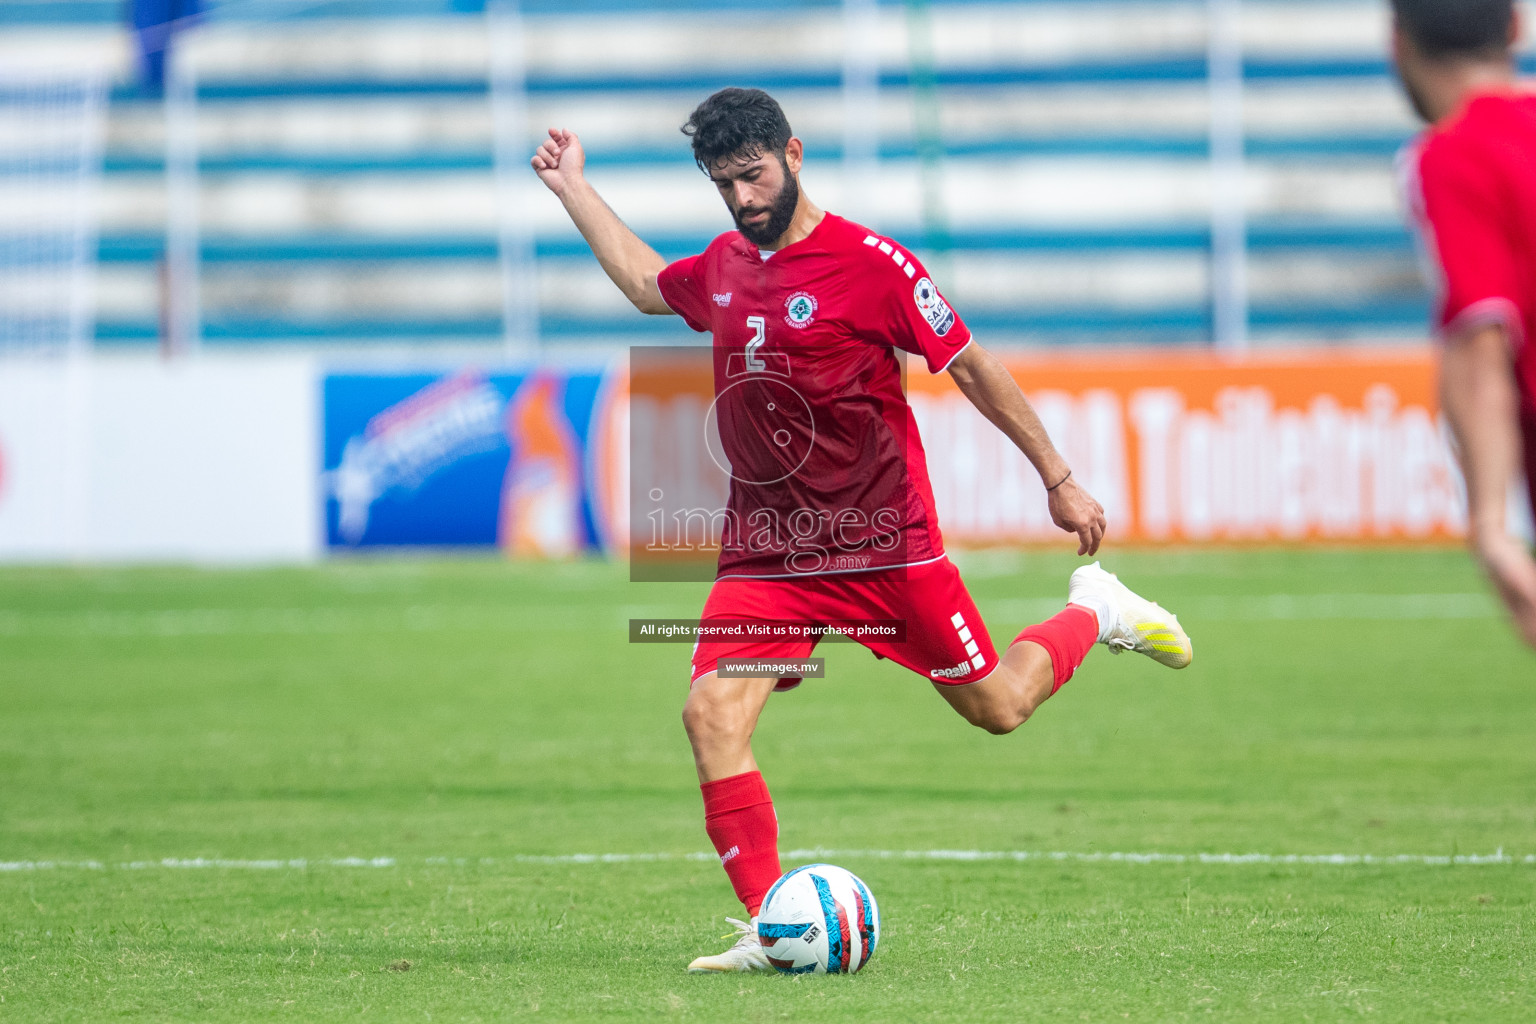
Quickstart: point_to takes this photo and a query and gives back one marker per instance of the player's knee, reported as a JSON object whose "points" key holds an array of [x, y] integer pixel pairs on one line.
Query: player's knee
{"points": [[706, 717], [695, 718], [999, 721]]}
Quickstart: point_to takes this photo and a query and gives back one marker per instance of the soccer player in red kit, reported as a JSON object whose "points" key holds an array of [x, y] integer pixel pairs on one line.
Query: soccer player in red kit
{"points": [[831, 516], [1470, 181]]}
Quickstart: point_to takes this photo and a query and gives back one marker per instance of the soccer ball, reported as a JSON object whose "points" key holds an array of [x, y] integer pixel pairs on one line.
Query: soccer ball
{"points": [[819, 919]]}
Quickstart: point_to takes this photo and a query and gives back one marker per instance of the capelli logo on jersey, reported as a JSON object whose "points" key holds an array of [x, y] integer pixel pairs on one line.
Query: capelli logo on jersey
{"points": [[722, 300], [799, 309], [959, 671]]}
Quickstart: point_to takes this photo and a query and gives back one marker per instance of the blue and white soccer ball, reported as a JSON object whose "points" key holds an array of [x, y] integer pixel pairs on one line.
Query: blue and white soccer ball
{"points": [[819, 919]]}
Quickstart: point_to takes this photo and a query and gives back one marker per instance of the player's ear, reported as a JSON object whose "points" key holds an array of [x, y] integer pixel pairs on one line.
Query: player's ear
{"points": [[1405, 52], [1516, 27], [794, 155], [1399, 42]]}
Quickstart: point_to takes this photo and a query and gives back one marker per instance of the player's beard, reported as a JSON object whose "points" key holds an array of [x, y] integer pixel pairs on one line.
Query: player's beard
{"points": [[780, 213]]}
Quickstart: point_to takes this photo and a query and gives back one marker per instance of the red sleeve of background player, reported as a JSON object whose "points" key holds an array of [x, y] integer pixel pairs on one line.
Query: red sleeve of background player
{"points": [[916, 317], [1465, 234], [684, 291]]}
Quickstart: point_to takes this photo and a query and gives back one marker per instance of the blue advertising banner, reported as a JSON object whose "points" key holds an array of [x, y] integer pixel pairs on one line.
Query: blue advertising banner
{"points": [[465, 459]]}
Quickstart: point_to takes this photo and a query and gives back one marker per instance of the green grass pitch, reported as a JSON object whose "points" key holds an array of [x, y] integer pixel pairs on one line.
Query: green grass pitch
{"points": [[474, 722]]}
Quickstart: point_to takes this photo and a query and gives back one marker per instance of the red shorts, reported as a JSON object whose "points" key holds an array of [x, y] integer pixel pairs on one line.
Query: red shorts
{"points": [[944, 638]]}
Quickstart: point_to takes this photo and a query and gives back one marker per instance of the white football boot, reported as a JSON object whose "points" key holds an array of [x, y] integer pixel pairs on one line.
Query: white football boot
{"points": [[1133, 623], [746, 955]]}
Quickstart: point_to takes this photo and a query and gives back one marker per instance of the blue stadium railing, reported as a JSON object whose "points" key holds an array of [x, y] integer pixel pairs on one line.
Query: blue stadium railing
{"points": [[1384, 313], [1181, 325], [1190, 146], [1364, 237], [107, 12], [1172, 69]]}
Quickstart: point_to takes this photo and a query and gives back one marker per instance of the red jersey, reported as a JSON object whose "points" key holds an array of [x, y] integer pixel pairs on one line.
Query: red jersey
{"points": [[1471, 184], [828, 473]]}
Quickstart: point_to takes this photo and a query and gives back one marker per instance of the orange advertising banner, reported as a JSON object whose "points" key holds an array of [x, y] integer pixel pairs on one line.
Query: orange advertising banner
{"points": [[1188, 447], [1313, 445]]}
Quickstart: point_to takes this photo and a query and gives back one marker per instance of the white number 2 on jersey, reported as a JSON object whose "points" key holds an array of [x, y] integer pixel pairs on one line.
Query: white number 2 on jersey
{"points": [[759, 327]]}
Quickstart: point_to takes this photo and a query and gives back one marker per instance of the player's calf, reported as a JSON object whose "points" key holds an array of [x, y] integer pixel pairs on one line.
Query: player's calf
{"points": [[1008, 696], [1044, 656], [996, 719]]}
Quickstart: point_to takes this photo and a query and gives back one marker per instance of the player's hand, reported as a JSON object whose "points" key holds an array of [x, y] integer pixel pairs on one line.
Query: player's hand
{"points": [[1513, 571], [559, 161], [1074, 510]]}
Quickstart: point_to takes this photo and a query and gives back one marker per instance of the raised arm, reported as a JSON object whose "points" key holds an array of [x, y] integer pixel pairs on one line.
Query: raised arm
{"points": [[1477, 392], [993, 391], [629, 262]]}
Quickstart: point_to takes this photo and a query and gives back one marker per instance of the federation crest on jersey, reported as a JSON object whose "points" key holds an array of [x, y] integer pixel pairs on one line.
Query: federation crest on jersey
{"points": [[933, 307], [799, 309]]}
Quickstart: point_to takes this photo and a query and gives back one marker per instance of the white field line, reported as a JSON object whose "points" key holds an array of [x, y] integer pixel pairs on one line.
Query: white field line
{"points": [[293, 864], [1498, 857], [491, 618]]}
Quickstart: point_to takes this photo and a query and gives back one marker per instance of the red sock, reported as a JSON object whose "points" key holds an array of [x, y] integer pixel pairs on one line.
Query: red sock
{"points": [[1067, 637], [738, 815]]}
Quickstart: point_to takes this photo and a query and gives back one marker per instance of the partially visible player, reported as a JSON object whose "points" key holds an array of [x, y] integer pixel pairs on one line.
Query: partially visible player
{"points": [[1470, 181], [830, 515]]}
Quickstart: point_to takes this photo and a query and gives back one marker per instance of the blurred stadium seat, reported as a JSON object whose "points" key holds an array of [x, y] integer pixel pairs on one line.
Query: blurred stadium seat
{"points": [[349, 194]]}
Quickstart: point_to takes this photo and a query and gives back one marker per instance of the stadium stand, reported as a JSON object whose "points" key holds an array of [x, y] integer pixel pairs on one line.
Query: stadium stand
{"points": [[348, 189]]}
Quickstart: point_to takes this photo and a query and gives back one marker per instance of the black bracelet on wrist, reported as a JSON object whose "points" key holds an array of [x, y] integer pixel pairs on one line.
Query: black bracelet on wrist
{"points": [[1058, 483]]}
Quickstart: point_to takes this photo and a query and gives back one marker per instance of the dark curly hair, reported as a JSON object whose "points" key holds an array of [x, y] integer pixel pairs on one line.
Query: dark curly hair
{"points": [[1456, 28], [740, 124]]}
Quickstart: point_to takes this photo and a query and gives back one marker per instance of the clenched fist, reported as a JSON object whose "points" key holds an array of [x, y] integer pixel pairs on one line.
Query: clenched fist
{"points": [[559, 161]]}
